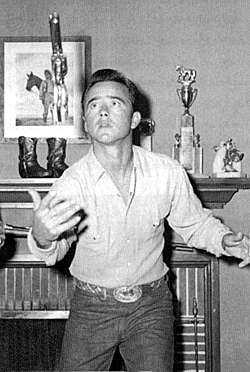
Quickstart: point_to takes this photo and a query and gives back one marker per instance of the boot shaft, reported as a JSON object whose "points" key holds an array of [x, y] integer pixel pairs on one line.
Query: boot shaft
{"points": [[57, 147], [28, 165], [56, 156], [27, 148]]}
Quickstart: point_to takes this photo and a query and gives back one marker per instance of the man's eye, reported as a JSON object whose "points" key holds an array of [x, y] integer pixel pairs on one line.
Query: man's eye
{"points": [[115, 103], [93, 105]]}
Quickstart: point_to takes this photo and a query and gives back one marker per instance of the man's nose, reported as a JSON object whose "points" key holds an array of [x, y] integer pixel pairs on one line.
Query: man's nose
{"points": [[104, 112]]}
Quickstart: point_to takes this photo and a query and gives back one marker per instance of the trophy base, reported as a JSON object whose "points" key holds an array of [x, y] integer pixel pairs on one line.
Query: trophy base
{"points": [[229, 175], [196, 162], [199, 175]]}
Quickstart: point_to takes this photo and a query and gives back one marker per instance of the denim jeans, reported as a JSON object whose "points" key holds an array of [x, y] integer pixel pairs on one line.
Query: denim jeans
{"points": [[143, 331]]}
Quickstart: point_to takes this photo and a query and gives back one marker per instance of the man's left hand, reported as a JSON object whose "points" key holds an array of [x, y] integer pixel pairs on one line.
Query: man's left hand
{"points": [[238, 245]]}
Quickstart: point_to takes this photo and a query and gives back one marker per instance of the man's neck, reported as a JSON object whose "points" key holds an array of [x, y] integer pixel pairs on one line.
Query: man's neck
{"points": [[116, 160], [118, 163]]}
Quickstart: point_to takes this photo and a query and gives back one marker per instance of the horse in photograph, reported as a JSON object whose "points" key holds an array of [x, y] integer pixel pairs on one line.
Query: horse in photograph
{"points": [[43, 93]]}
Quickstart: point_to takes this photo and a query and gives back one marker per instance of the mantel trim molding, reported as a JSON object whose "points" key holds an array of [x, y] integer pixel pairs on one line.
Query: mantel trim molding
{"points": [[214, 192]]}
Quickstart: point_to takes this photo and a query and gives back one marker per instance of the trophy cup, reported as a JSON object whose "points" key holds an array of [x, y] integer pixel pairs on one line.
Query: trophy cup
{"points": [[187, 148]]}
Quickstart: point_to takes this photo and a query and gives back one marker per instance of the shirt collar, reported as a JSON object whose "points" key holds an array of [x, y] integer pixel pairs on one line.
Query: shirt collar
{"points": [[97, 169], [136, 157]]}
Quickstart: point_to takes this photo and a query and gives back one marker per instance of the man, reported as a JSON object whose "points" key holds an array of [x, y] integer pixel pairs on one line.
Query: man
{"points": [[113, 203], [46, 95]]}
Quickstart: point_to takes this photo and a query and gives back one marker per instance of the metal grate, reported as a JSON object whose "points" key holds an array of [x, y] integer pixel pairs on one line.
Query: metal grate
{"points": [[29, 290], [189, 308]]}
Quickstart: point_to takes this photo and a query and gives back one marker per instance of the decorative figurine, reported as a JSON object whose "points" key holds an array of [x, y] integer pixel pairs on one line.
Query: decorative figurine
{"points": [[227, 162], [187, 148], [177, 139]]}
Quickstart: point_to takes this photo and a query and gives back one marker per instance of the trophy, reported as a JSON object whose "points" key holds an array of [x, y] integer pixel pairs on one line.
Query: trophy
{"points": [[187, 148], [60, 69]]}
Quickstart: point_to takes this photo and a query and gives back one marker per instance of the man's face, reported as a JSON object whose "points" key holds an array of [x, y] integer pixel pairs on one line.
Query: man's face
{"points": [[109, 115]]}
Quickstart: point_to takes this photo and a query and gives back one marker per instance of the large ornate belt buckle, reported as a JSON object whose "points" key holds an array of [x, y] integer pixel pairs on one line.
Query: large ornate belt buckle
{"points": [[127, 294]]}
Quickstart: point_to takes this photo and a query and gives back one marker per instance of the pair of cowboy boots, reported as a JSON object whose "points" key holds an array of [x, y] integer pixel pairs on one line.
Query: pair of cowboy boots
{"points": [[28, 164]]}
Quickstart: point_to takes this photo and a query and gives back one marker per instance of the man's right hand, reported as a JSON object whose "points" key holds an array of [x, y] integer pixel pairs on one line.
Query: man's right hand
{"points": [[53, 215]]}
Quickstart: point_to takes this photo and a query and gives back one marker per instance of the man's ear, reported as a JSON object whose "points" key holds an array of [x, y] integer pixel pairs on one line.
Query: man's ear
{"points": [[136, 118]]}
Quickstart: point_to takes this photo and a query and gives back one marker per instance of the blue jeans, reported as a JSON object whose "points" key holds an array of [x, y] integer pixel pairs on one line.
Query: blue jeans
{"points": [[143, 331]]}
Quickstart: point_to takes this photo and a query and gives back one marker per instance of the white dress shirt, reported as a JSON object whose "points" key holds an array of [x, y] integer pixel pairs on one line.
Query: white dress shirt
{"points": [[123, 243]]}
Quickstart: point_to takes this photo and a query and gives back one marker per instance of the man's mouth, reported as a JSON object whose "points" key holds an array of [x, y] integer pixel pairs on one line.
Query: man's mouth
{"points": [[104, 124]]}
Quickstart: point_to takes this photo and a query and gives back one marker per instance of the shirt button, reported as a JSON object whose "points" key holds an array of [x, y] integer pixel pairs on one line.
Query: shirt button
{"points": [[129, 263], [119, 195], [128, 241]]}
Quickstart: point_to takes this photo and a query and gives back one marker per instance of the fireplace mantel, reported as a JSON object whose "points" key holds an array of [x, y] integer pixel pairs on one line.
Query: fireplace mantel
{"points": [[214, 192]]}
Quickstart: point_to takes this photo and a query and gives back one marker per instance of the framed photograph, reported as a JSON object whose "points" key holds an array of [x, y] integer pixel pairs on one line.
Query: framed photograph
{"points": [[24, 63]]}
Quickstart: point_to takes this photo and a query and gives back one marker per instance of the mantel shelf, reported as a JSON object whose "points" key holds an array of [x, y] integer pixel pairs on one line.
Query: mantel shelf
{"points": [[14, 192], [217, 192], [214, 192]]}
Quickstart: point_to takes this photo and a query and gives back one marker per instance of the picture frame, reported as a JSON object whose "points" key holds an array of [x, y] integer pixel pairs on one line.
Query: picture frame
{"points": [[21, 110]]}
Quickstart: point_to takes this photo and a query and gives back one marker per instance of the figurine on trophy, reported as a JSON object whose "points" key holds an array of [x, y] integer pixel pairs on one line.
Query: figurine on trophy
{"points": [[187, 148], [227, 162]]}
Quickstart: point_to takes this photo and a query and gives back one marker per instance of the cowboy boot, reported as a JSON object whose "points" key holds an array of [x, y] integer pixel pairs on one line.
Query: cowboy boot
{"points": [[56, 156], [28, 165]]}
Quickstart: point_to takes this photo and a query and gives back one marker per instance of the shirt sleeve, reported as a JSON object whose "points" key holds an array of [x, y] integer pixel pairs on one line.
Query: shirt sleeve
{"points": [[194, 223], [55, 253], [60, 247]]}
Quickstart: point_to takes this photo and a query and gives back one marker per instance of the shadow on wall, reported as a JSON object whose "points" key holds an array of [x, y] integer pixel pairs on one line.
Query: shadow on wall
{"points": [[143, 104], [144, 107]]}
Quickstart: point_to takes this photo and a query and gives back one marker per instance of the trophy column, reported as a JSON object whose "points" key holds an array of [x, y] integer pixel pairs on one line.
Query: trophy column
{"points": [[187, 148]]}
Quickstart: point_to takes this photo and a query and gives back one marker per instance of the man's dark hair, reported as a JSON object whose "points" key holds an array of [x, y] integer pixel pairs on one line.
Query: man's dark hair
{"points": [[116, 76]]}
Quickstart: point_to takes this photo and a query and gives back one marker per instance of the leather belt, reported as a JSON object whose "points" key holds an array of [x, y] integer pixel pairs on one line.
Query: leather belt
{"points": [[125, 294]]}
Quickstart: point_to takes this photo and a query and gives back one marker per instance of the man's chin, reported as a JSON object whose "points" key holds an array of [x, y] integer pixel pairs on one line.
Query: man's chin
{"points": [[105, 139]]}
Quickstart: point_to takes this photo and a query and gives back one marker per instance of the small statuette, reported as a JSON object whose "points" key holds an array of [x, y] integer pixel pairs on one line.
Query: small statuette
{"points": [[228, 160], [177, 139], [197, 140]]}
